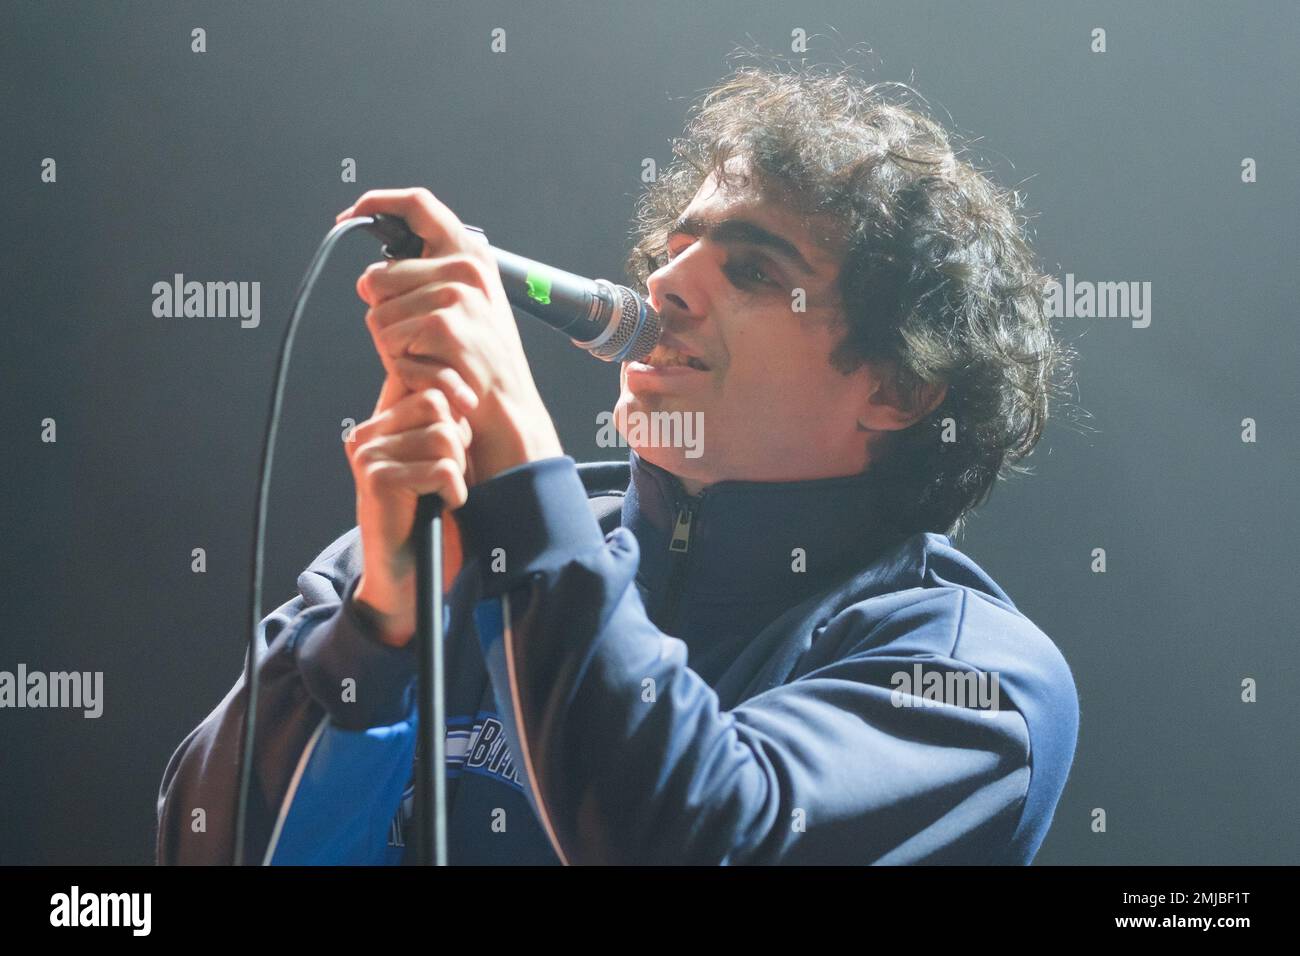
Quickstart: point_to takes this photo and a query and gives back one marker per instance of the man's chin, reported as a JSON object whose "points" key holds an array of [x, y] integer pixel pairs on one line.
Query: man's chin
{"points": [[672, 460], [660, 432], [646, 402]]}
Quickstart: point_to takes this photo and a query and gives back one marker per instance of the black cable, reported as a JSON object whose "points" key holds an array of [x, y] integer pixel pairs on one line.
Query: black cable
{"points": [[400, 243]]}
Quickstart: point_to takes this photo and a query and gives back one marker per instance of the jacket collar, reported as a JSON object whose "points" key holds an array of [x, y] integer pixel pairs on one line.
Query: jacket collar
{"points": [[743, 534]]}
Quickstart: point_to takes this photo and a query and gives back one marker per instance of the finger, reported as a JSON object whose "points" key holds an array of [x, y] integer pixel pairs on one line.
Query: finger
{"points": [[426, 216], [420, 344], [441, 477], [418, 302], [390, 393], [428, 369], [390, 278], [415, 273], [415, 410], [431, 373], [422, 407], [421, 371], [423, 443]]}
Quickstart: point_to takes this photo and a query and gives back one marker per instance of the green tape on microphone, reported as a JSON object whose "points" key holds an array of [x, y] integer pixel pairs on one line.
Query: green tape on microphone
{"points": [[539, 287]]}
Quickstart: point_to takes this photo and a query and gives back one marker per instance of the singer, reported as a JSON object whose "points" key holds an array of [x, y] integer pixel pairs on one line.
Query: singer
{"points": [[767, 653]]}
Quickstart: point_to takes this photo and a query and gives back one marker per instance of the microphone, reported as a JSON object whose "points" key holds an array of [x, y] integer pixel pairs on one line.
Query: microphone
{"points": [[610, 321]]}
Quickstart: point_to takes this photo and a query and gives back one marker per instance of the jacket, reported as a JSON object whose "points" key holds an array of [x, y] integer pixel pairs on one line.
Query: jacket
{"points": [[636, 676]]}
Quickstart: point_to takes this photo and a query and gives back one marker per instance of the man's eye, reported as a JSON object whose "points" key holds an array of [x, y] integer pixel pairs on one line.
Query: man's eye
{"points": [[743, 271], [749, 272]]}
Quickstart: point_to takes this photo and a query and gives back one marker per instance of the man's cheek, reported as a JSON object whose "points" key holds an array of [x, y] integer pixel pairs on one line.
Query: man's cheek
{"points": [[738, 399]]}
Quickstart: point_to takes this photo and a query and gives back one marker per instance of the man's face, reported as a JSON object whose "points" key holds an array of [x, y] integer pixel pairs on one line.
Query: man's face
{"points": [[771, 405]]}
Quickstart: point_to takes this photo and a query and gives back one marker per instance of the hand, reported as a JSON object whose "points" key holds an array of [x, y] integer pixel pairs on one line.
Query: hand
{"points": [[444, 321], [414, 444]]}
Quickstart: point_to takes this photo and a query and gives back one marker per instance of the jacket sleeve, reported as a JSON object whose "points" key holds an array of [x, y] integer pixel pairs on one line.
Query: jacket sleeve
{"points": [[630, 759], [329, 690]]}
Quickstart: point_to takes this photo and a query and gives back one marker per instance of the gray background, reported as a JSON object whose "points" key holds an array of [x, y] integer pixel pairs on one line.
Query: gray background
{"points": [[225, 166]]}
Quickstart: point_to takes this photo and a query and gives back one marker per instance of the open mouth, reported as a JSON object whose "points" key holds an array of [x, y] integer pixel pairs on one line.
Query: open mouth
{"points": [[665, 357]]}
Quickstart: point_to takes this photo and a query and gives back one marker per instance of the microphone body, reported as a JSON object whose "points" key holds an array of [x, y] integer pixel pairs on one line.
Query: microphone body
{"points": [[610, 321]]}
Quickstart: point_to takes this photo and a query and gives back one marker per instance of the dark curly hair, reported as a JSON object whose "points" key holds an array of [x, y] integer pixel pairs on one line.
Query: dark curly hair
{"points": [[938, 282]]}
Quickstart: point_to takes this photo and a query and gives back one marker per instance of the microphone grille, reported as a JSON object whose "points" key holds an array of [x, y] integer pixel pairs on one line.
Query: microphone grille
{"points": [[646, 337], [636, 332]]}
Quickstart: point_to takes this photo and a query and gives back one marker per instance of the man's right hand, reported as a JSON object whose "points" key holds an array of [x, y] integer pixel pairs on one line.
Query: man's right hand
{"points": [[413, 444]]}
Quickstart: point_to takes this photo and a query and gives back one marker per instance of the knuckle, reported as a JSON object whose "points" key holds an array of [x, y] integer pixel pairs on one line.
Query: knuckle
{"points": [[415, 376], [442, 321], [447, 294], [434, 297], [435, 403], [450, 380], [470, 265], [445, 439], [363, 455]]}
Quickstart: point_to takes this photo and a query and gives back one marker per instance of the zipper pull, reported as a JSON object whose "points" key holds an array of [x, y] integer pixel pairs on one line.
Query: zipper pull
{"points": [[682, 529]]}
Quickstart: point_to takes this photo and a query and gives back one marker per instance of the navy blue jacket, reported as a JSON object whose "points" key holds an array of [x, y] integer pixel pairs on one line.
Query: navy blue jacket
{"points": [[636, 676]]}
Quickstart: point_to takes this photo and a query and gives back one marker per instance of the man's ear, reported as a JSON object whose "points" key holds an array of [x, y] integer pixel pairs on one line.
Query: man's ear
{"points": [[891, 406]]}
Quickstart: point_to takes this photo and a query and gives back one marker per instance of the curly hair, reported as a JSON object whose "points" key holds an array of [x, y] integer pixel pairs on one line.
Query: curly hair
{"points": [[938, 283]]}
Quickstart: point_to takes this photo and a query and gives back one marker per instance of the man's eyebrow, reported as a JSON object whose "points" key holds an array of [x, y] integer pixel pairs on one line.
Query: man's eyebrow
{"points": [[733, 229]]}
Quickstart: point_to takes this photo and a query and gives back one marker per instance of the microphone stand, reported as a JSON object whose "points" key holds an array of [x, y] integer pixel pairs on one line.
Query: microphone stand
{"points": [[621, 326], [624, 325], [431, 716], [431, 741]]}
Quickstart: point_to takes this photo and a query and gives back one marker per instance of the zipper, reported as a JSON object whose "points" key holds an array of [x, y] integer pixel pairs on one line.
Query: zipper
{"points": [[679, 547]]}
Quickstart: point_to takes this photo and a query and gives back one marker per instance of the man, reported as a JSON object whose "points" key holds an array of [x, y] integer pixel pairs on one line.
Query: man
{"points": [[762, 650]]}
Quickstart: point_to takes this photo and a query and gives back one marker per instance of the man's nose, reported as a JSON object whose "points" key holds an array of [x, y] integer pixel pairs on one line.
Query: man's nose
{"points": [[677, 292]]}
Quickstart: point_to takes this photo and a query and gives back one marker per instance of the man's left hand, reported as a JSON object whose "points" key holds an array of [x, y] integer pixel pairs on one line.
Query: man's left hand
{"points": [[443, 321]]}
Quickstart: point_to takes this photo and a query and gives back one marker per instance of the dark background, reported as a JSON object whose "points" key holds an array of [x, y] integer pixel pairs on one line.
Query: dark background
{"points": [[226, 166]]}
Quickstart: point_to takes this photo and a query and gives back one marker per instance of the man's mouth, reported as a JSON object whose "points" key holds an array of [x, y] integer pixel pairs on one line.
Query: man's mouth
{"points": [[665, 357]]}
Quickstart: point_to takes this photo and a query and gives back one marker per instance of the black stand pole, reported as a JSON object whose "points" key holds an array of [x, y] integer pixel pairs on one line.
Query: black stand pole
{"points": [[431, 739]]}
